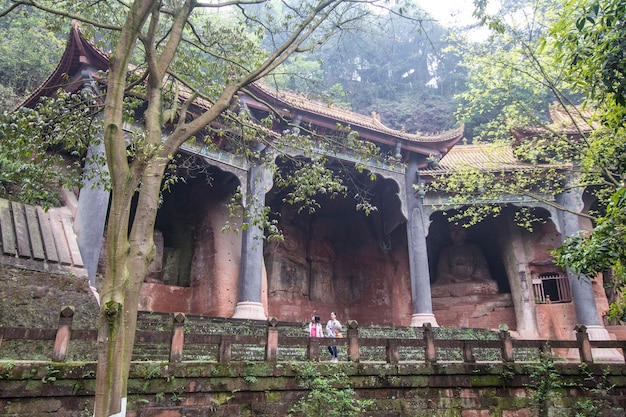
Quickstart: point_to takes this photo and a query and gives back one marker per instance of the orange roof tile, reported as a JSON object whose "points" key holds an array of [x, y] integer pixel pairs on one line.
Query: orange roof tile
{"points": [[302, 102], [486, 157]]}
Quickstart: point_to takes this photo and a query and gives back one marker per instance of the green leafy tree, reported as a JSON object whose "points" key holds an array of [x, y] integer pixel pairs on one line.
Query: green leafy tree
{"points": [[41, 149], [512, 79], [214, 48], [589, 38], [30, 50], [566, 52]]}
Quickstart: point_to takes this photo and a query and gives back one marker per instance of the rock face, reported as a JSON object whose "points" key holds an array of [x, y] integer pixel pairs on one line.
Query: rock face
{"points": [[479, 311], [462, 289], [197, 271], [336, 259], [34, 299], [334, 264]]}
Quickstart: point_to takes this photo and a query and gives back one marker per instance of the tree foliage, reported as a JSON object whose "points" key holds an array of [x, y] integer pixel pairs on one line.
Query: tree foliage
{"points": [[29, 50], [512, 79], [43, 149], [568, 53], [590, 39]]}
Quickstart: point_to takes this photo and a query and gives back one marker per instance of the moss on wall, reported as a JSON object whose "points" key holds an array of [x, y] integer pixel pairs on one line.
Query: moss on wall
{"points": [[263, 389]]}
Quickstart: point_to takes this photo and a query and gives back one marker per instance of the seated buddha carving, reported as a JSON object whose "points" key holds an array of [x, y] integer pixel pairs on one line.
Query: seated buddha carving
{"points": [[462, 269]]}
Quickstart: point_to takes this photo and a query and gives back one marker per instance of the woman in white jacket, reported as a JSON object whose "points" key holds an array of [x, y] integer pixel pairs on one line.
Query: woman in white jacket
{"points": [[333, 329]]}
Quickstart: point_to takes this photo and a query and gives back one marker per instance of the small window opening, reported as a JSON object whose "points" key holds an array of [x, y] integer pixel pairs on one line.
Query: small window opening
{"points": [[552, 288]]}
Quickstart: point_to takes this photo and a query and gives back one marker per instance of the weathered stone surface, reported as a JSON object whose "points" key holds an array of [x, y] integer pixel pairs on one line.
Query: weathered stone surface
{"points": [[34, 299], [462, 289], [202, 389], [481, 311], [336, 261]]}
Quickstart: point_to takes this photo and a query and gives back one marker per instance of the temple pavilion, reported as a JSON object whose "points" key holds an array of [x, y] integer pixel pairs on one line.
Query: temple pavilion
{"points": [[404, 264]]}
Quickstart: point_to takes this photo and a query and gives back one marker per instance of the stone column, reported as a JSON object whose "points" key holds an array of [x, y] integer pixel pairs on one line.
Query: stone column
{"points": [[521, 291], [93, 204], [581, 286], [582, 290], [250, 305], [418, 255]]}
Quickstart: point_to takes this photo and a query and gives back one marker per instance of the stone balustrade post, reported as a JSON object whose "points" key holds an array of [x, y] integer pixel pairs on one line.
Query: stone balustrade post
{"points": [[178, 338], [225, 351], [430, 351], [507, 346], [353, 341], [584, 346], [271, 348], [393, 357], [313, 349], [468, 352], [64, 334]]}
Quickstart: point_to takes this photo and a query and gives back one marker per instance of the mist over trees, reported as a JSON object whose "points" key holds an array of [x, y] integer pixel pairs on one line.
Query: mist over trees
{"points": [[394, 68], [30, 50]]}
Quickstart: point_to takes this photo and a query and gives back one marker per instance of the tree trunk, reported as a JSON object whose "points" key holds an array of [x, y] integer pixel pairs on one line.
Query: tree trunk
{"points": [[130, 246], [120, 292], [128, 257]]}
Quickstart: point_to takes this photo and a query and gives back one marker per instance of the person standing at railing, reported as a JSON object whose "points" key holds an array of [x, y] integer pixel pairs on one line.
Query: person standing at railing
{"points": [[333, 330], [316, 330], [315, 327]]}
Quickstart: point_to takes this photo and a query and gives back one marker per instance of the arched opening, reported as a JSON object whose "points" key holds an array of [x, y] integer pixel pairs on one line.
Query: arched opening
{"points": [[196, 266], [340, 259]]}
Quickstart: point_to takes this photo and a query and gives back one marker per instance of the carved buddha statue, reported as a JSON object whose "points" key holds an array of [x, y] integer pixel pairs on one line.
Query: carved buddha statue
{"points": [[462, 269]]}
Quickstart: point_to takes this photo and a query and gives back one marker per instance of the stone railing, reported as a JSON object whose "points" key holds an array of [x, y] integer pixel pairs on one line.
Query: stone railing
{"points": [[273, 344]]}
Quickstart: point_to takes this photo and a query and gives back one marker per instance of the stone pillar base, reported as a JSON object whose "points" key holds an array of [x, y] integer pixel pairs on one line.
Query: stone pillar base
{"points": [[599, 355], [419, 319], [249, 310]]}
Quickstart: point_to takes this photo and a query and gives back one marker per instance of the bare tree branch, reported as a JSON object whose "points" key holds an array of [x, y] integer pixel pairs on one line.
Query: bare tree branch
{"points": [[57, 12]]}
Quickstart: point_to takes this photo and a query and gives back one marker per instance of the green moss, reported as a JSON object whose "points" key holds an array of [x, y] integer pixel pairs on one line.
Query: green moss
{"points": [[417, 390], [272, 396], [486, 380]]}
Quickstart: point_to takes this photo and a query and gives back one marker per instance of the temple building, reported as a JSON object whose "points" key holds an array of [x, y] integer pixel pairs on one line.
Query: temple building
{"points": [[404, 264]]}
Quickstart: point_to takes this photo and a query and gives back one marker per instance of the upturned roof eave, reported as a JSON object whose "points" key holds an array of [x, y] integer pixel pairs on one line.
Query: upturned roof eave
{"points": [[79, 54], [368, 128]]}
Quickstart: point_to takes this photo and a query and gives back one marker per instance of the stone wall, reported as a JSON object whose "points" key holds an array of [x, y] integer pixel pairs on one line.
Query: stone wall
{"points": [[265, 389]]}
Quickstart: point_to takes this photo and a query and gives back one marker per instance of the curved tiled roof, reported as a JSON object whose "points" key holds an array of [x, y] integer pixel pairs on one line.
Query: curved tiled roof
{"points": [[372, 122], [79, 54], [571, 122], [368, 127], [485, 157]]}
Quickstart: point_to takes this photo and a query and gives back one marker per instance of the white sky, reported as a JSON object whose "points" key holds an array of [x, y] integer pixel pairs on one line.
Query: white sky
{"points": [[449, 12]]}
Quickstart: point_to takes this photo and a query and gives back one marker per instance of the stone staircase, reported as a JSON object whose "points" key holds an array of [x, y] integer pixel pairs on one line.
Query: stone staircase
{"points": [[35, 239]]}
